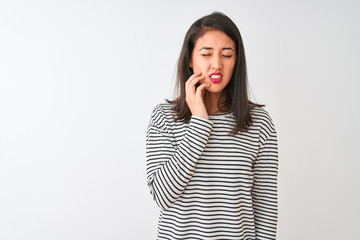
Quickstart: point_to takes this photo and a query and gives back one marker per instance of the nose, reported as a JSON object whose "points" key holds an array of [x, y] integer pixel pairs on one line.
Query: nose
{"points": [[217, 63]]}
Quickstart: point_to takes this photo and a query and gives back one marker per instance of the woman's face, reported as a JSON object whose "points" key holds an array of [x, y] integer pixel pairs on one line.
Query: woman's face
{"points": [[214, 55]]}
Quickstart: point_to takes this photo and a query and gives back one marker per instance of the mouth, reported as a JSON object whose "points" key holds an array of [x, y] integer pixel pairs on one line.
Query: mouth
{"points": [[216, 77]]}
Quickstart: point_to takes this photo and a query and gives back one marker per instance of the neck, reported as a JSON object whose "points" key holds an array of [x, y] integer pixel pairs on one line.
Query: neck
{"points": [[211, 100]]}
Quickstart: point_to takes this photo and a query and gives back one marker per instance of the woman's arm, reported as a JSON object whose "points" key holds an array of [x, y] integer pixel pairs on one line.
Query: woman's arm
{"points": [[169, 169], [264, 192]]}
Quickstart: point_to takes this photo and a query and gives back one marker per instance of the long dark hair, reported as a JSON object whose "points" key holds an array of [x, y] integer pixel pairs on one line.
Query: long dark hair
{"points": [[236, 91]]}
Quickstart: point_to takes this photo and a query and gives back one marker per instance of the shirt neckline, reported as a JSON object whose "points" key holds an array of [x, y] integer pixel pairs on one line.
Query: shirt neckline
{"points": [[219, 114]]}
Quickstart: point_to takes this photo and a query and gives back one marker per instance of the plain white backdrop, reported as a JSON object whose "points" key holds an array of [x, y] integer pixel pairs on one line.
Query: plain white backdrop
{"points": [[79, 79]]}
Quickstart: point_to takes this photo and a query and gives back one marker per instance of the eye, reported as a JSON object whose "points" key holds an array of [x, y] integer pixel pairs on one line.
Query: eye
{"points": [[205, 55], [227, 56]]}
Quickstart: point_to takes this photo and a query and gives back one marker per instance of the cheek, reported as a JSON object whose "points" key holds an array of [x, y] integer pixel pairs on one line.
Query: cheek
{"points": [[231, 69], [198, 64]]}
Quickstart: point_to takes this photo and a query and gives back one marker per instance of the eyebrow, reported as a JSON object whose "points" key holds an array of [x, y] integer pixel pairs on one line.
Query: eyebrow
{"points": [[209, 48]]}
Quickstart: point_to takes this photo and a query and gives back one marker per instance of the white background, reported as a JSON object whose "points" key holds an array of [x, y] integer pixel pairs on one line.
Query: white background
{"points": [[79, 79]]}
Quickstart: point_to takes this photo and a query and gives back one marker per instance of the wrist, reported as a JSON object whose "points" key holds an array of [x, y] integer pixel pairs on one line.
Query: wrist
{"points": [[205, 116]]}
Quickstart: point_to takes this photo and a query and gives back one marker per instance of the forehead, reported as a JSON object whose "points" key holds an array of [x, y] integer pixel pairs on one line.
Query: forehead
{"points": [[214, 39]]}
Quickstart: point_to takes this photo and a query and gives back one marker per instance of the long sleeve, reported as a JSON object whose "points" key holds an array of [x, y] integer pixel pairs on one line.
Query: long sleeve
{"points": [[170, 166], [264, 192]]}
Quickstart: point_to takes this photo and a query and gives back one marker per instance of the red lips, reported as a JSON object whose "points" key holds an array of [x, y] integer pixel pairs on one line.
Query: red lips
{"points": [[216, 77]]}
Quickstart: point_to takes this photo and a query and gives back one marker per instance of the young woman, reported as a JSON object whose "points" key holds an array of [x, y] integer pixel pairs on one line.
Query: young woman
{"points": [[212, 156]]}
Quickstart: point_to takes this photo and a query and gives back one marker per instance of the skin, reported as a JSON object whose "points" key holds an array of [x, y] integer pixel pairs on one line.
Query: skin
{"points": [[213, 52]]}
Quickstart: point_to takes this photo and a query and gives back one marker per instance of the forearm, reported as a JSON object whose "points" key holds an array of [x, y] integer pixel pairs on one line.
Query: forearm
{"points": [[169, 169]]}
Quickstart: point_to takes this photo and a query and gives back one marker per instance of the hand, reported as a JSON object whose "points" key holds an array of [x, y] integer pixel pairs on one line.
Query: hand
{"points": [[195, 96]]}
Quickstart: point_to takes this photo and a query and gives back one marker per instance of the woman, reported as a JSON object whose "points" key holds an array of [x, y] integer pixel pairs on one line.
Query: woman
{"points": [[212, 156]]}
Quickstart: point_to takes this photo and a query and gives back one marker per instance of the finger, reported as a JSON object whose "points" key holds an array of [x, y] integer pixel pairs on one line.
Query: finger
{"points": [[188, 89], [193, 78], [200, 90], [190, 86]]}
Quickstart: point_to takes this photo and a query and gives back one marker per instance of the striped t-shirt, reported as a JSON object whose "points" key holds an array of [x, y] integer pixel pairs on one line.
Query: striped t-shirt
{"points": [[209, 184]]}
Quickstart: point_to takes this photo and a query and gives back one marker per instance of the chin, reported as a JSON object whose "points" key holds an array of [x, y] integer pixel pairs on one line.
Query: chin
{"points": [[212, 89]]}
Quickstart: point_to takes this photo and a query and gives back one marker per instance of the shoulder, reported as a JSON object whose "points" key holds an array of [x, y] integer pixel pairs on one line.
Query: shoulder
{"points": [[162, 115], [261, 114], [262, 118]]}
